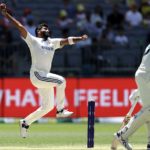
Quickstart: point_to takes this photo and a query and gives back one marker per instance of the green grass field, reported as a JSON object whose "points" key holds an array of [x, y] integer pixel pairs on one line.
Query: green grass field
{"points": [[64, 136]]}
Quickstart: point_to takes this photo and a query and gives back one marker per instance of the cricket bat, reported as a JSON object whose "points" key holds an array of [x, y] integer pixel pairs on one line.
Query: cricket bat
{"points": [[125, 121]]}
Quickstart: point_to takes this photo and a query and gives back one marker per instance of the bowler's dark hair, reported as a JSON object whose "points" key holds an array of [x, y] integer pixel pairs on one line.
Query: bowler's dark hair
{"points": [[39, 27]]}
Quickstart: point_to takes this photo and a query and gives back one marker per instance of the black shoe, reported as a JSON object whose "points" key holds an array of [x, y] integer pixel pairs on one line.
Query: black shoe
{"points": [[148, 146]]}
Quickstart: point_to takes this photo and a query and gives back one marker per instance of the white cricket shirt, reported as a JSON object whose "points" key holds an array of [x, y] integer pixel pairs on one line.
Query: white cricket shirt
{"points": [[145, 64], [42, 52]]}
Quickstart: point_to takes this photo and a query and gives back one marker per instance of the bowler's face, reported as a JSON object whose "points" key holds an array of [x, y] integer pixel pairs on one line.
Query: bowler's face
{"points": [[44, 31]]}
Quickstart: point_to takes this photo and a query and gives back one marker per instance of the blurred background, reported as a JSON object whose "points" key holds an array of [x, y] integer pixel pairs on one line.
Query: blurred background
{"points": [[118, 31], [102, 67]]}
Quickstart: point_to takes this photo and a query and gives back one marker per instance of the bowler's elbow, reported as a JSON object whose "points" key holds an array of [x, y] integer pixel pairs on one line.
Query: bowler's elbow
{"points": [[23, 31]]}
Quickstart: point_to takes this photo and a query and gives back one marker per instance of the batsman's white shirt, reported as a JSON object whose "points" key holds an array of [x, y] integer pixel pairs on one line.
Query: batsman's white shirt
{"points": [[143, 77], [145, 64]]}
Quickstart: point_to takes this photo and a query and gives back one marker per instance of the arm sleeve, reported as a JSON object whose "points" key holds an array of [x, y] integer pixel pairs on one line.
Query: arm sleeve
{"points": [[29, 39], [56, 43]]}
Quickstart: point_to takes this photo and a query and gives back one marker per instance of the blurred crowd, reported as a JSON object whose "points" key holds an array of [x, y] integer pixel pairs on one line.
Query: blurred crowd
{"points": [[108, 28]]}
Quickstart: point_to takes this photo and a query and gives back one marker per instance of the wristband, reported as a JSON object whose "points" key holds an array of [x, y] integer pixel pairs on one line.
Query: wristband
{"points": [[70, 41]]}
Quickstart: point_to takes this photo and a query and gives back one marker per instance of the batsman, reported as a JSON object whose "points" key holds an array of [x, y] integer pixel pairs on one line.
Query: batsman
{"points": [[134, 99], [142, 77]]}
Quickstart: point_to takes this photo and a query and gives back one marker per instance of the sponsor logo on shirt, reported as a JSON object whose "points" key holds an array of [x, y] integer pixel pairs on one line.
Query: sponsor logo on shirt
{"points": [[47, 48]]}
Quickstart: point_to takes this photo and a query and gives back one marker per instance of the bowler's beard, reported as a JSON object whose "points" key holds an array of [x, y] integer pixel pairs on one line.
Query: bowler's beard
{"points": [[46, 35]]}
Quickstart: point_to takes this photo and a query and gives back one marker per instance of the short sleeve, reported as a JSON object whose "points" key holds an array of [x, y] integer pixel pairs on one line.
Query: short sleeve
{"points": [[29, 39], [56, 42]]}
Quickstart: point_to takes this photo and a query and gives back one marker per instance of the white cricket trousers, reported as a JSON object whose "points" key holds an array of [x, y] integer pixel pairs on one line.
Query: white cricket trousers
{"points": [[45, 82], [143, 116]]}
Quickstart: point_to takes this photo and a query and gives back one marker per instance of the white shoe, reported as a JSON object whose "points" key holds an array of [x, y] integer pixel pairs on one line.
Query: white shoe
{"points": [[63, 113], [124, 143], [23, 128]]}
